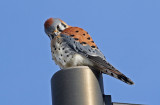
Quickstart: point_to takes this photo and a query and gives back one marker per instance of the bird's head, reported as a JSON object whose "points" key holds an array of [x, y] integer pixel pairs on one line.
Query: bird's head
{"points": [[54, 26]]}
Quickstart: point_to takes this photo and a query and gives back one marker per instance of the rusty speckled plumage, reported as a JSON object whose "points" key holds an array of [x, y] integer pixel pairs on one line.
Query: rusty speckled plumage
{"points": [[78, 33]]}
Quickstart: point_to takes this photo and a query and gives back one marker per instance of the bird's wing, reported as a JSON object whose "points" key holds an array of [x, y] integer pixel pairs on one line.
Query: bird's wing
{"points": [[75, 39]]}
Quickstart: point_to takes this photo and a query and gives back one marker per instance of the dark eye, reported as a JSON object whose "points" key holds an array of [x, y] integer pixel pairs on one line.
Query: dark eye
{"points": [[63, 25]]}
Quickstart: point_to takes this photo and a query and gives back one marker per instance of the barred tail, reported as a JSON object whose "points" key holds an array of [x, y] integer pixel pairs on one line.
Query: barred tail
{"points": [[118, 75], [107, 68]]}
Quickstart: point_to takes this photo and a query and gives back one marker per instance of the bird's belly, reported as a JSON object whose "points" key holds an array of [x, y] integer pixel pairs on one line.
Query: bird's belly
{"points": [[79, 60]]}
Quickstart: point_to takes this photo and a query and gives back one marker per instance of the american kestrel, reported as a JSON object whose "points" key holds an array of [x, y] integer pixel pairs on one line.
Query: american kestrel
{"points": [[73, 46]]}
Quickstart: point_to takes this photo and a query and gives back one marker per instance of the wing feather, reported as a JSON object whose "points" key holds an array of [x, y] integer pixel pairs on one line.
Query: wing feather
{"points": [[96, 57]]}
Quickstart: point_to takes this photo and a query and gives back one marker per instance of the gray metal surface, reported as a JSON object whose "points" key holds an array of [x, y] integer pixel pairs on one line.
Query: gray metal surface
{"points": [[116, 103], [77, 86]]}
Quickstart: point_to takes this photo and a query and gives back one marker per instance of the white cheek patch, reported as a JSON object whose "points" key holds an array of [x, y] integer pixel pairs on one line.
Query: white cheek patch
{"points": [[61, 27]]}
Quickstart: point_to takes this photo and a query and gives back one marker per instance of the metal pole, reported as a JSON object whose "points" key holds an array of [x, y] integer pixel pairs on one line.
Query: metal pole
{"points": [[77, 86]]}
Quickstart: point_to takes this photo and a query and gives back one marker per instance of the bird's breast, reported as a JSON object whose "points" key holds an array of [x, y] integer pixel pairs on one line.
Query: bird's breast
{"points": [[65, 56]]}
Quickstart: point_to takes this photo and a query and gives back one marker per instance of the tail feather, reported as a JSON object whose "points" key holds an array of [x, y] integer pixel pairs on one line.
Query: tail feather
{"points": [[118, 75], [107, 68]]}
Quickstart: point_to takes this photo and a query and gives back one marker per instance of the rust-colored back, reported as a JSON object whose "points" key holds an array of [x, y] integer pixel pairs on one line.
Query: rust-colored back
{"points": [[79, 35]]}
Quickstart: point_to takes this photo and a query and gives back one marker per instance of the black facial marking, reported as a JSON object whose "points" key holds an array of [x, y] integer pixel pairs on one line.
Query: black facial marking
{"points": [[63, 25], [58, 28], [77, 31]]}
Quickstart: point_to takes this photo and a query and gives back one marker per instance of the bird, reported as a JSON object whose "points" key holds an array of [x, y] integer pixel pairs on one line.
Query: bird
{"points": [[73, 46]]}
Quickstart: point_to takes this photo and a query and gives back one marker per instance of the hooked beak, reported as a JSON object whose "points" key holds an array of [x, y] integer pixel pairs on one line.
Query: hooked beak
{"points": [[53, 34], [57, 32]]}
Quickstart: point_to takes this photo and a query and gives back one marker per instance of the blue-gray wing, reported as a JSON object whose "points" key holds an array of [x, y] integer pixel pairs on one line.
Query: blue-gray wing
{"points": [[95, 55]]}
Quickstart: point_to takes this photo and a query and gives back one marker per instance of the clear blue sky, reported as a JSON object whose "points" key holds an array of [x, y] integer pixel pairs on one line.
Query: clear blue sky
{"points": [[126, 31]]}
